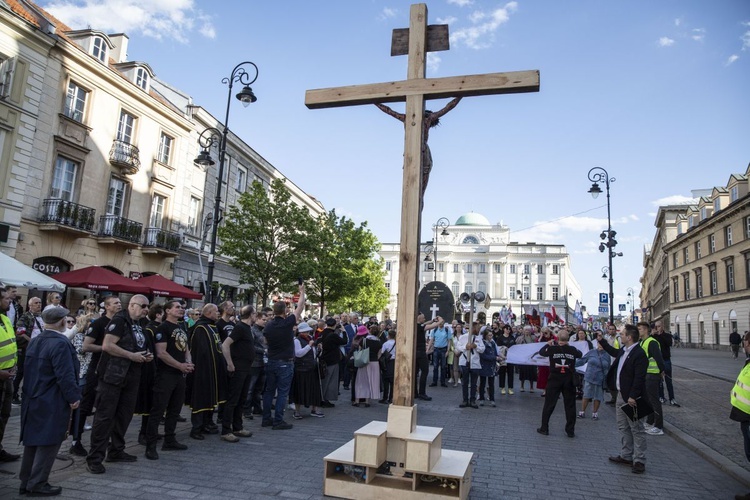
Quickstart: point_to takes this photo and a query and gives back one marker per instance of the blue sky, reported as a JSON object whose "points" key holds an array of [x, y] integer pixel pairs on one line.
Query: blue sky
{"points": [[655, 92]]}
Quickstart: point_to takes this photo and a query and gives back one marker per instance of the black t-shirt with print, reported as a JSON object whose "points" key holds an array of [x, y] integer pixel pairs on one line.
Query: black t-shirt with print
{"points": [[224, 328], [96, 331], [175, 337]]}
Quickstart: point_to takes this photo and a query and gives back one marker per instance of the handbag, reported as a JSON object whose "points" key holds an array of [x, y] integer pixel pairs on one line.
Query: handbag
{"points": [[362, 357], [385, 358]]}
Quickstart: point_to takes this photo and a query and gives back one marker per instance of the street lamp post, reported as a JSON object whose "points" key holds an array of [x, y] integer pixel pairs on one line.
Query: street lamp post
{"points": [[597, 175], [212, 136], [519, 293], [442, 223], [631, 299]]}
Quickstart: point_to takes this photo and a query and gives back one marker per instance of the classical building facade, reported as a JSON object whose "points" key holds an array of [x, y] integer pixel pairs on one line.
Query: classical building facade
{"points": [[476, 255], [707, 261], [97, 158]]}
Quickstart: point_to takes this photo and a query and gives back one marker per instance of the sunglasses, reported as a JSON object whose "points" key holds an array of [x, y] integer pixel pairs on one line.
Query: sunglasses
{"points": [[143, 306], [70, 321], [91, 303]]}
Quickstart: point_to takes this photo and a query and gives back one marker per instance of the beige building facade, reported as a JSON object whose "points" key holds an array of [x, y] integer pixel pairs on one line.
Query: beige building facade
{"points": [[708, 263]]}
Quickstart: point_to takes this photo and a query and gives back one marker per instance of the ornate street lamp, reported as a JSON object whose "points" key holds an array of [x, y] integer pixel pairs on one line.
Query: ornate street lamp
{"points": [[212, 136], [631, 299], [442, 223], [597, 175]]}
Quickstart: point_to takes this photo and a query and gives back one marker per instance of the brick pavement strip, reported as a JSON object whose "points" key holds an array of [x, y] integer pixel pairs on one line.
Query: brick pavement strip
{"points": [[511, 459]]}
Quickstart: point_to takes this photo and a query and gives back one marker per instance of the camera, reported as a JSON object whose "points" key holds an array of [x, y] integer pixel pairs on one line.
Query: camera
{"points": [[300, 280]]}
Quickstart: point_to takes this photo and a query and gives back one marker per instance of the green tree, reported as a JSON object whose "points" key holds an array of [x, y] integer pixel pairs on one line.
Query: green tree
{"points": [[261, 234], [338, 257], [371, 296]]}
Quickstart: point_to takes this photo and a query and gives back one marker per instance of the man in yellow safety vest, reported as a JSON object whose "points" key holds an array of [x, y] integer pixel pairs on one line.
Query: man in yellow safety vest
{"points": [[7, 370], [740, 398]]}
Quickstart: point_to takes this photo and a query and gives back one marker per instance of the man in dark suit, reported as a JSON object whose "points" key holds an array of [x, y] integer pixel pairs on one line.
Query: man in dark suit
{"points": [[628, 375], [51, 392]]}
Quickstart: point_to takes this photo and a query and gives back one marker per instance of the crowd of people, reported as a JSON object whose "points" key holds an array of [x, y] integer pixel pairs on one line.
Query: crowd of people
{"points": [[109, 362]]}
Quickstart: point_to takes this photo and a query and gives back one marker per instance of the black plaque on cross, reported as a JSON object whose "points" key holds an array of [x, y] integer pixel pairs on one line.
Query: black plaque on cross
{"points": [[436, 299]]}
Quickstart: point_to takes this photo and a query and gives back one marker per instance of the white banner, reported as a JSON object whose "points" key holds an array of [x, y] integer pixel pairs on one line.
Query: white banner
{"points": [[528, 354]]}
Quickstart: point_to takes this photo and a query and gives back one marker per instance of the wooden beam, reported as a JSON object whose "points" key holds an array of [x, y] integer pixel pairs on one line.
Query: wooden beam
{"points": [[411, 218], [437, 39], [432, 88]]}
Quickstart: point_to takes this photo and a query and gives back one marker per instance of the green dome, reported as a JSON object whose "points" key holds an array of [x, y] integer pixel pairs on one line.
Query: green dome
{"points": [[472, 219]]}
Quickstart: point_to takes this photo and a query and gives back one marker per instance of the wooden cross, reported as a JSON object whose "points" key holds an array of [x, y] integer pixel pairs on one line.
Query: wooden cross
{"points": [[415, 90]]}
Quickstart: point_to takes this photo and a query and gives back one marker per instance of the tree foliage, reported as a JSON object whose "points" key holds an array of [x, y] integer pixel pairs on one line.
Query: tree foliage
{"points": [[340, 261], [261, 234], [371, 296]]}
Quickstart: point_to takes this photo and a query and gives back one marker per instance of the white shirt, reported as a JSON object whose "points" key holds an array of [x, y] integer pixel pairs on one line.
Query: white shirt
{"points": [[387, 346], [626, 351], [461, 349]]}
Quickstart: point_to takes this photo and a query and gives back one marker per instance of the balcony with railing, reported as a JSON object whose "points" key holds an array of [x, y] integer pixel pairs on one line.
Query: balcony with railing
{"points": [[126, 156], [114, 229], [61, 215], [158, 240]]}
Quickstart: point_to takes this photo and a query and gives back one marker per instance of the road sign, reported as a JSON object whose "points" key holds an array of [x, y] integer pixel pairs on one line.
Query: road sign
{"points": [[603, 298], [603, 309], [622, 307]]}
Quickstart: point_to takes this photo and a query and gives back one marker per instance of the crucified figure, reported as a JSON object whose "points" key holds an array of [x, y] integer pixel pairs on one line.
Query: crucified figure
{"points": [[430, 120]]}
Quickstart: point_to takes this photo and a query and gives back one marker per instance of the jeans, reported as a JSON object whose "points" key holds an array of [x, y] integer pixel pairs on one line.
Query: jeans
{"points": [[253, 403], [489, 382], [469, 376], [279, 375], [745, 428], [439, 363], [667, 380], [652, 391]]}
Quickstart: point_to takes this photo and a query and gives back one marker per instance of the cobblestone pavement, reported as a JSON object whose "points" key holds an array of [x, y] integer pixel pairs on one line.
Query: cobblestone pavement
{"points": [[511, 459]]}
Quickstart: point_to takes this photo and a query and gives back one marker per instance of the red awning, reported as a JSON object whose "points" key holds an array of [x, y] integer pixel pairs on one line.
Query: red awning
{"points": [[98, 278], [159, 285]]}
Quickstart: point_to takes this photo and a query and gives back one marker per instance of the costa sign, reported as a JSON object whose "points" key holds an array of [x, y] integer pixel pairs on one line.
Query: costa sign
{"points": [[50, 265]]}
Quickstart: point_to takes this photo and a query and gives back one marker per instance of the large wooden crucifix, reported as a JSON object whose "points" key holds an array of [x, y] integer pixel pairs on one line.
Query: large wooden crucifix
{"points": [[419, 39]]}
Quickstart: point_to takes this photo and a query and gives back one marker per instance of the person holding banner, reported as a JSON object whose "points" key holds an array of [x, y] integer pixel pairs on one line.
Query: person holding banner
{"points": [[597, 365], [527, 372], [562, 361]]}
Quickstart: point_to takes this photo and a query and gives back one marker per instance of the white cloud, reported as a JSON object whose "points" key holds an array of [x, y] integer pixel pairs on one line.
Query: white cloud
{"points": [[159, 19], [746, 38], [665, 42], [447, 20], [731, 59], [699, 34], [675, 199], [678, 21], [651, 214], [484, 24], [461, 3], [433, 62], [387, 13]]}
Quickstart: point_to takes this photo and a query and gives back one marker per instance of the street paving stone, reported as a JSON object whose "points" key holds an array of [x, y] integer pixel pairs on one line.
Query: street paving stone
{"points": [[511, 460]]}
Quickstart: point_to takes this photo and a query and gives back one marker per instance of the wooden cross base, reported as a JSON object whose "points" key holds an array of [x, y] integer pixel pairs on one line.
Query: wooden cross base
{"points": [[400, 458]]}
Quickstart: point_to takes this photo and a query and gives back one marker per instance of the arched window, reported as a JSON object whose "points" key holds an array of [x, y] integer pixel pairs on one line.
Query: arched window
{"points": [[454, 289], [469, 288], [470, 240], [99, 49], [141, 78], [482, 287]]}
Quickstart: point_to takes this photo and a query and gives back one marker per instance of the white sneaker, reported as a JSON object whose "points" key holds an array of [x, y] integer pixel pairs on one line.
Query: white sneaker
{"points": [[502, 391], [450, 380], [655, 431], [647, 426]]}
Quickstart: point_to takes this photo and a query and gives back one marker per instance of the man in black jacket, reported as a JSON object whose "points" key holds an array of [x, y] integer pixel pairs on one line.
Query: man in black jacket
{"points": [[124, 350], [628, 375]]}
